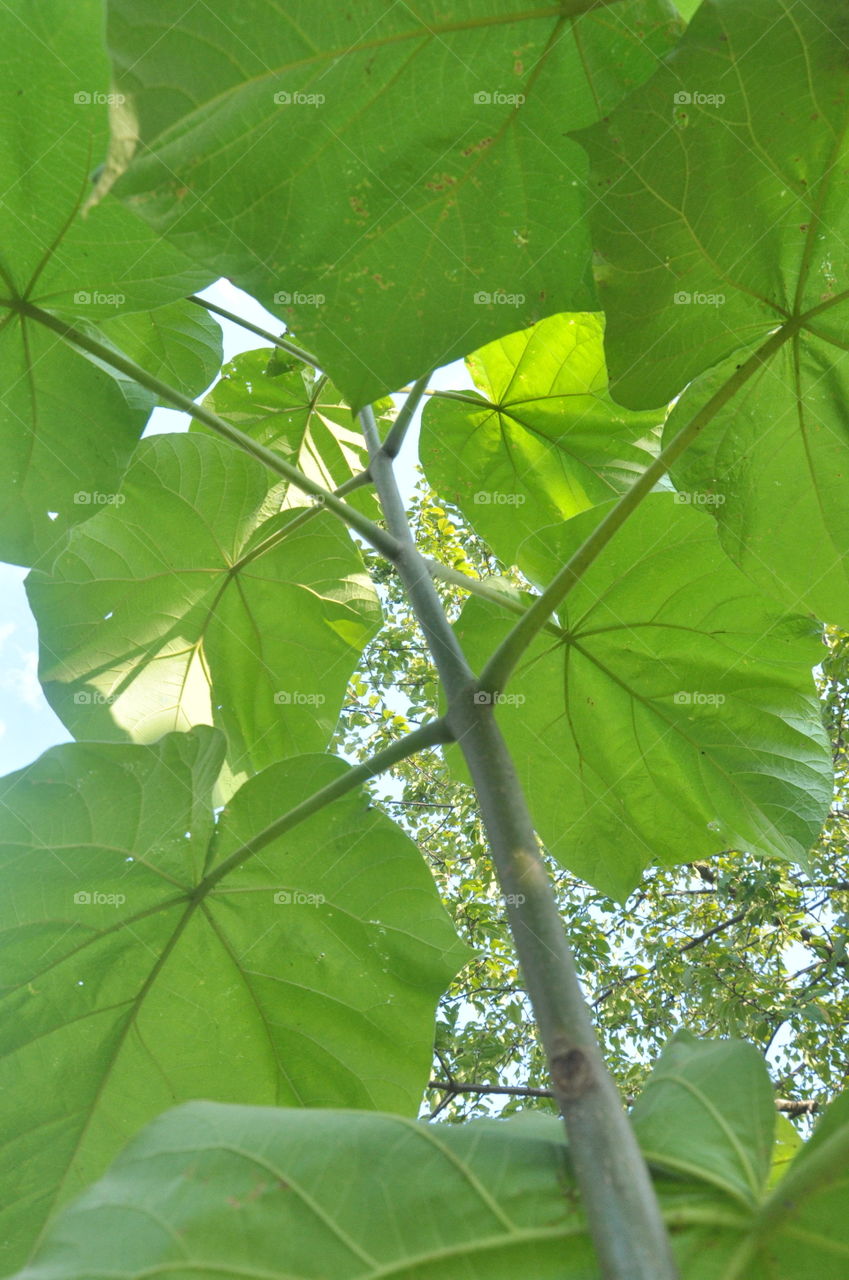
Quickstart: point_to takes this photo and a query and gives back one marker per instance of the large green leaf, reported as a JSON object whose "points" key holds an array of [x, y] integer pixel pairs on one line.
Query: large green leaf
{"points": [[671, 715], [266, 145], [708, 1111], [721, 216], [543, 442], [238, 1191], [242, 1190], [306, 976], [63, 427], [188, 602], [721, 196]]}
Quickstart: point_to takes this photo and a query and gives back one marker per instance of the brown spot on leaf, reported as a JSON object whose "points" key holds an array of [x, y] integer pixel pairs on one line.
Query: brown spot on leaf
{"points": [[441, 182], [478, 146]]}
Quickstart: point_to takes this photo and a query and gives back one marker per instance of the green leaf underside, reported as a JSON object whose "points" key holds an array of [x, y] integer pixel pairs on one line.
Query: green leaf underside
{"points": [[545, 443], [674, 718], [435, 232], [788, 1140], [194, 593], [719, 219], [245, 1191], [307, 976], [163, 612], [708, 1112], [62, 429], [56, 456], [285, 406], [399, 1199], [773, 469], [179, 344]]}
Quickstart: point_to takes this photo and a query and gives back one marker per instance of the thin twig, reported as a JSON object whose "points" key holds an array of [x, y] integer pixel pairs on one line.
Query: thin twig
{"points": [[283, 343]]}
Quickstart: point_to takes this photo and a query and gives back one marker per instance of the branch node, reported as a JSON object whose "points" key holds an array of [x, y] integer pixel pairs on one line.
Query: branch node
{"points": [[572, 1074]]}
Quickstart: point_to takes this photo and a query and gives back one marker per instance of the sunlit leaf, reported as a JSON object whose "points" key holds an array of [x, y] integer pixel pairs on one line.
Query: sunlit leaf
{"points": [[188, 600], [670, 714], [287, 407], [544, 441], [788, 1140], [179, 344]]}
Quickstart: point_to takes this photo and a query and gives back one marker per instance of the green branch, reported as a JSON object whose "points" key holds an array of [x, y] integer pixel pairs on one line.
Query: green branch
{"points": [[622, 1209], [466, 397], [395, 437], [787, 1106], [368, 530], [283, 343], [480, 588], [454, 670], [499, 667], [429, 735]]}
